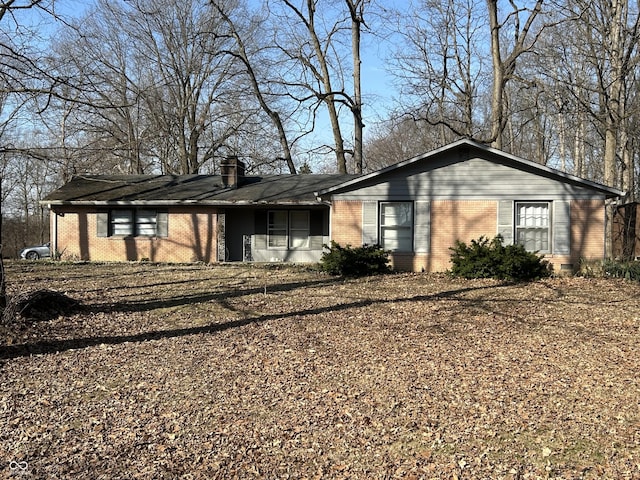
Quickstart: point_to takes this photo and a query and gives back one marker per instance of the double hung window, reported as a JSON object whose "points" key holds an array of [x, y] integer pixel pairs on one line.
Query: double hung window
{"points": [[396, 226], [299, 229], [533, 229], [277, 229]]}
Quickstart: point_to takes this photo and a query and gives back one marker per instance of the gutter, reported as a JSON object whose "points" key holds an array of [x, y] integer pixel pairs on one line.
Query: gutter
{"points": [[168, 203]]}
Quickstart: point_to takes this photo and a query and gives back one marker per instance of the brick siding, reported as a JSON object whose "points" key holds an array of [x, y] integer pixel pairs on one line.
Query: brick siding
{"points": [[191, 238], [587, 230], [346, 222], [466, 220]]}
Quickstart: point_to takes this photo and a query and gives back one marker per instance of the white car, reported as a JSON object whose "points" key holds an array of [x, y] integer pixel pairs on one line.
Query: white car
{"points": [[34, 253]]}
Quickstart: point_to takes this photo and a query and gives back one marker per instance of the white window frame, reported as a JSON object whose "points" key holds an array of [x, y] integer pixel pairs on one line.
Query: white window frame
{"points": [[394, 236], [533, 225]]}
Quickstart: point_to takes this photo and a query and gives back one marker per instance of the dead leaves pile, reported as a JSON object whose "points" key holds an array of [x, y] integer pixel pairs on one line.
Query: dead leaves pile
{"points": [[196, 371]]}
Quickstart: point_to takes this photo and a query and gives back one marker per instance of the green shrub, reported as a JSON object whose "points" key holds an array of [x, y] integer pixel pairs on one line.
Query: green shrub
{"points": [[626, 270], [484, 258], [351, 261], [629, 270]]}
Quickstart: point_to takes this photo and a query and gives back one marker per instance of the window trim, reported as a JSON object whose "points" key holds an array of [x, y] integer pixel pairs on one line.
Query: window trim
{"points": [[410, 228], [517, 228]]}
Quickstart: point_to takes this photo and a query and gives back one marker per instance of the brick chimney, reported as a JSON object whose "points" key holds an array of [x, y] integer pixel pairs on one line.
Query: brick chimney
{"points": [[232, 171]]}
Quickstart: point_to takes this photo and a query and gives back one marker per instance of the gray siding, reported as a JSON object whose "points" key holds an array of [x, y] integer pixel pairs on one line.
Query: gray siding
{"points": [[472, 179]]}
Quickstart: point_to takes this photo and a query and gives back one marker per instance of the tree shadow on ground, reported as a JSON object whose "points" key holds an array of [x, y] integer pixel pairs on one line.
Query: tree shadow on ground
{"points": [[55, 346], [185, 300]]}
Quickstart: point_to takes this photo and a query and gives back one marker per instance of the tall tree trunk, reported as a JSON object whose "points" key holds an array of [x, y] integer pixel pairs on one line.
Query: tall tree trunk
{"points": [[243, 55], [616, 79], [578, 146], [503, 69], [497, 90], [355, 8], [3, 280]]}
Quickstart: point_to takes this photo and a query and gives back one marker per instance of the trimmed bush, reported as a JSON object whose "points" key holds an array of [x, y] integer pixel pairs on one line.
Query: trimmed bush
{"points": [[351, 261], [484, 258]]}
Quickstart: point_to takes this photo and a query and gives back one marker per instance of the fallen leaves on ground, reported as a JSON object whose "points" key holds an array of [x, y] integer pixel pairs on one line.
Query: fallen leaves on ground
{"points": [[197, 371]]}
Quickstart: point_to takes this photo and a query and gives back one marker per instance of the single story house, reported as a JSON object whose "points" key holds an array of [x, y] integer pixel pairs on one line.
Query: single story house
{"points": [[416, 209]]}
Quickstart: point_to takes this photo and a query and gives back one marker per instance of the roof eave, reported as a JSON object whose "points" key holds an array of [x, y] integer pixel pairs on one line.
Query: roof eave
{"points": [[169, 203]]}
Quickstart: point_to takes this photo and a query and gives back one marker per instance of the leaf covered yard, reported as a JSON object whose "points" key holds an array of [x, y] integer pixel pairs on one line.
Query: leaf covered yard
{"points": [[197, 371]]}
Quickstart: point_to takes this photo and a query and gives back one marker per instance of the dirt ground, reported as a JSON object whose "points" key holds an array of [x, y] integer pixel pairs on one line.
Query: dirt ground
{"points": [[199, 371]]}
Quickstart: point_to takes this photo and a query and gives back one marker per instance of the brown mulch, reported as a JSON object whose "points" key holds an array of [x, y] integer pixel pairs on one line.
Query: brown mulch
{"points": [[196, 371]]}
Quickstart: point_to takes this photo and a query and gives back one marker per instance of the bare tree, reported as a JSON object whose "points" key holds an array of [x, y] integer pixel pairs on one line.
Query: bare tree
{"points": [[158, 91], [311, 36], [504, 66], [356, 13], [21, 77], [260, 87], [440, 65], [399, 139]]}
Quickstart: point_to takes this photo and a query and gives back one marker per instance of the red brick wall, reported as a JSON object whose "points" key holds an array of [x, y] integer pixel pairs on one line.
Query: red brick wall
{"points": [[346, 222], [462, 220], [192, 234], [450, 220], [191, 238], [587, 230]]}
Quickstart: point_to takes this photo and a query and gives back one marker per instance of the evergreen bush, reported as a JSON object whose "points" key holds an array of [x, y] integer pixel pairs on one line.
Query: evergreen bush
{"points": [[626, 270], [484, 258], [351, 261]]}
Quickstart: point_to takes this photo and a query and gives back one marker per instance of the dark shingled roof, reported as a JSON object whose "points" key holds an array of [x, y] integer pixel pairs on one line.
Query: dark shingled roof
{"points": [[189, 189]]}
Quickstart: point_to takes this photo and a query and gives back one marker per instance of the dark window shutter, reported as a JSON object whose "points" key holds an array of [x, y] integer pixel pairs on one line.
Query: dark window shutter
{"points": [[260, 237], [316, 222], [316, 229]]}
